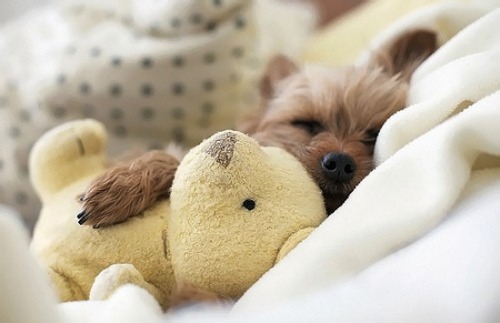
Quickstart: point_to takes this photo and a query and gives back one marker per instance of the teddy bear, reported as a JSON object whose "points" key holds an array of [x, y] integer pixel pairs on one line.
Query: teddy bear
{"points": [[235, 209]]}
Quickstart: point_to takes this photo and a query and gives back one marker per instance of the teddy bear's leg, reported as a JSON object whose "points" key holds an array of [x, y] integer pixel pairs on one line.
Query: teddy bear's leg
{"points": [[66, 154], [111, 278]]}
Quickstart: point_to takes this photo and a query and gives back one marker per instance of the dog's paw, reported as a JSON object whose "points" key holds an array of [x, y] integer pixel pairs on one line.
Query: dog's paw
{"points": [[107, 200], [127, 189]]}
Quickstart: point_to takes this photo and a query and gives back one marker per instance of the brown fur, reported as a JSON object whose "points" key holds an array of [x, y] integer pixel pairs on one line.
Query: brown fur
{"points": [[127, 189], [313, 111], [309, 112], [186, 294]]}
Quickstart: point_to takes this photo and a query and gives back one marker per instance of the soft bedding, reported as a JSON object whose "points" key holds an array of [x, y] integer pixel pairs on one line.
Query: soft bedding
{"points": [[417, 241]]}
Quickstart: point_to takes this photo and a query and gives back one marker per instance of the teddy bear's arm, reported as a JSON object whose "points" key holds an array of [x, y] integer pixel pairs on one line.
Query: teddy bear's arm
{"points": [[127, 189]]}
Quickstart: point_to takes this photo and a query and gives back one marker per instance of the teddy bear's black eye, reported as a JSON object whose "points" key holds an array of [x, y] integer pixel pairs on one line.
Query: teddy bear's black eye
{"points": [[371, 136], [311, 126], [249, 204]]}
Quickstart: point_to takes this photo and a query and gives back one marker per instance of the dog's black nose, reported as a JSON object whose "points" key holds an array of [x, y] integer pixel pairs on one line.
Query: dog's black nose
{"points": [[338, 167]]}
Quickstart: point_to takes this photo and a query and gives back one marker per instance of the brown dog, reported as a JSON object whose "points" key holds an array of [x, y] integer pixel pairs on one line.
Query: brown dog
{"points": [[328, 118]]}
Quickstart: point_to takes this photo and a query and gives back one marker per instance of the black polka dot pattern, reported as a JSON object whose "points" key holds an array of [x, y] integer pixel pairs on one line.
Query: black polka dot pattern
{"points": [[175, 23], [237, 52], [24, 115], [239, 23], [95, 52], [85, 88], [208, 85], [147, 89], [178, 135], [147, 113], [58, 112], [211, 25], [116, 61], [120, 131], [207, 108], [146, 62], [178, 61], [14, 132], [177, 88], [88, 110], [196, 18], [115, 90], [116, 113], [209, 58], [177, 113], [61, 79]]}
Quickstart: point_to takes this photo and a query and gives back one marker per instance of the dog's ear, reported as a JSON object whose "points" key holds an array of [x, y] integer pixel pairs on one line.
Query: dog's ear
{"points": [[278, 68], [405, 53]]}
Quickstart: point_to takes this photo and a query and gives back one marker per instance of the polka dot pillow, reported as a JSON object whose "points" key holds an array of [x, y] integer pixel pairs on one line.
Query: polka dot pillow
{"points": [[162, 71], [153, 71]]}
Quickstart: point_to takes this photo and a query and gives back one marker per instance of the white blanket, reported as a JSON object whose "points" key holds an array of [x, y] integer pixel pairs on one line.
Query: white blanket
{"points": [[418, 238]]}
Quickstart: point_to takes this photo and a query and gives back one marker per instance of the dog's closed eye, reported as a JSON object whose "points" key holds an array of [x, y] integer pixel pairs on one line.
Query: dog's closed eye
{"points": [[313, 127], [371, 136]]}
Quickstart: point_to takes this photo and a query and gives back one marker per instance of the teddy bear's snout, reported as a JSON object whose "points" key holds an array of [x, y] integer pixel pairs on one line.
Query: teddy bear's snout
{"points": [[221, 147]]}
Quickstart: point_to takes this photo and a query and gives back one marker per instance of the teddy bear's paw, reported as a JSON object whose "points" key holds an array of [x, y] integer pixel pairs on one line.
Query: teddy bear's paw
{"points": [[127, 189], [111, 278]]}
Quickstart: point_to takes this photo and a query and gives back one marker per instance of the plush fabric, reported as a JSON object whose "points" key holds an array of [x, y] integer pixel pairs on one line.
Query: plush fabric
{"points": [[204, 235]]}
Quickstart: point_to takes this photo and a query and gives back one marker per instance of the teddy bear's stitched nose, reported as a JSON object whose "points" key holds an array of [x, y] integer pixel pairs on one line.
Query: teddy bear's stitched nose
{"points": [[221, 148]]}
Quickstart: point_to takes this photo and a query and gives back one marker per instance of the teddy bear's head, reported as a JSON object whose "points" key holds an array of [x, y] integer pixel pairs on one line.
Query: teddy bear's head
{"points": [[244, 206]]}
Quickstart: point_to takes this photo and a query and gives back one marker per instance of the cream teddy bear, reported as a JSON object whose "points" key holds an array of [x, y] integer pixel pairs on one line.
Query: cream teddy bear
{"points": [[235, 209]]}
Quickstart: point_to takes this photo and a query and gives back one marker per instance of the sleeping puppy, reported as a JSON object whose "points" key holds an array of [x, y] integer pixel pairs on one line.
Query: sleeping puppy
{"points": [[328, 118]]}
